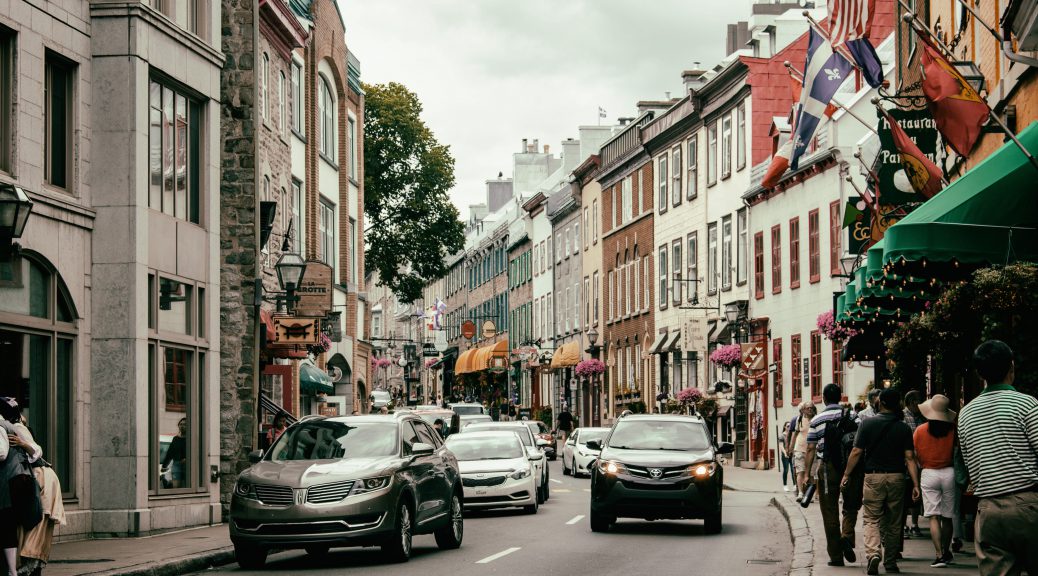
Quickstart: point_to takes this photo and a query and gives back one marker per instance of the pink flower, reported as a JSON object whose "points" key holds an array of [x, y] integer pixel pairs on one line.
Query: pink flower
{"points": [[590, 367], [690, 396], [727, 356]]}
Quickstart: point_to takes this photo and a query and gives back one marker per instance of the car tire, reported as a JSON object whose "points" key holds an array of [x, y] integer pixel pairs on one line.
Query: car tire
{"points": [[531, 509], [250, 557], [540, 495], [600, 522], [317, 550], [565, 471], [397, 546], [449, 536], [712, 524]]}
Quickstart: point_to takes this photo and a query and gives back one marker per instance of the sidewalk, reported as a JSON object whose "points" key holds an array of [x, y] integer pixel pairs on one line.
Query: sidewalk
{"points": [[172, 553], [808, 535]]}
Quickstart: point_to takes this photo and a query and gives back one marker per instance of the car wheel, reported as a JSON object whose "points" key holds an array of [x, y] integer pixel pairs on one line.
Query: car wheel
{"points": [[531, 509], [547, 487], [449, 537], [250, 557], [712, 523], [398, 544], [565, 471], [317, 550], [600, 522], [540, 495]]}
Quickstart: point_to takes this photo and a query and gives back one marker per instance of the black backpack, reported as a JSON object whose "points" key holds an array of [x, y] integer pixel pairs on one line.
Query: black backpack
{"points": [[839, 439]]}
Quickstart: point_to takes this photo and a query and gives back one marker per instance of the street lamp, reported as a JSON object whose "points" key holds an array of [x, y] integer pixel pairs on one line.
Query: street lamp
{"points": [[596, 402], [15, 207], [731, 312], [290, 269]]}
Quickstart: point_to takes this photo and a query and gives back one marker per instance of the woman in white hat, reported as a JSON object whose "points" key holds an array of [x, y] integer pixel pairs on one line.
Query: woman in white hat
{"points": [[934, 449]]}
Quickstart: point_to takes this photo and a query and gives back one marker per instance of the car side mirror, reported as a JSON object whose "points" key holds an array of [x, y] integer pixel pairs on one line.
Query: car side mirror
{"points": [[255, 456], [594, 444], [541, 443], [572, 441], [420, 449], [725, 448]]}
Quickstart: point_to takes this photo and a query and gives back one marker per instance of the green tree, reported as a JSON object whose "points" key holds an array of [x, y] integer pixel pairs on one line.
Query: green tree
{"points": [[412, 225]]}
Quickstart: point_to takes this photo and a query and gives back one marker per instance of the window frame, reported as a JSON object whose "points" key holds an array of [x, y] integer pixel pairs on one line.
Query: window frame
{"points": [[796, 369], [326, 231], [53, 64], [662, 181], [814, 264], [8, 49], [328, 113], [741, 246], [776, 259], [298, 100], [664, 276], [740, 136], [711, 259], [726, 252], [194, 193], [351, 143], [758, 265], [726, 146], [711, 154], [837, 363], [692, 163], [835, 247], [676, 270], [794, 253], [816, 366], [675, 175], [777, 384], [692, 264], [264, 91]]}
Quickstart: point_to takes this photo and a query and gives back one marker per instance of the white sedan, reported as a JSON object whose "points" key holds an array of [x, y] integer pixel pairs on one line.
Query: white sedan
{"points": [[496, 471], [576, 456]]}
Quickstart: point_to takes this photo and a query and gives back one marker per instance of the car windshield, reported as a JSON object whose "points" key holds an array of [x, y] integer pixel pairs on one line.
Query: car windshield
{"points": [[586, 436], [468, 409], [326, 440], [522, 431], [380, 394], [433, 417], [484, 448], [659, 435]]}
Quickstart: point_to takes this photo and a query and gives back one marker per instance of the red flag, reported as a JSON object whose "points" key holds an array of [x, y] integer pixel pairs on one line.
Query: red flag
{"points": [[925, 176], [779, 165], [796, 86], [850, 20], [956, 106]]}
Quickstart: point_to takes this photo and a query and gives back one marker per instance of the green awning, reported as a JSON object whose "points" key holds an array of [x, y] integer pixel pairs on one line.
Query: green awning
{"points": [[314, 380]]}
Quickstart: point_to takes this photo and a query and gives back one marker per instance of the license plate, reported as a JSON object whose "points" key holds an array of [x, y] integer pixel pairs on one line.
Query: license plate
{"points": [[480, 492]]}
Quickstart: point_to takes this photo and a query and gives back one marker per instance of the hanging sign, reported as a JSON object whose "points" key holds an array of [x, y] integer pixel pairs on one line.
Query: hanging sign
{"points": [[468, 329], [863, 228], [895, 188], [296, 331], [489, 329], [315, 290]]}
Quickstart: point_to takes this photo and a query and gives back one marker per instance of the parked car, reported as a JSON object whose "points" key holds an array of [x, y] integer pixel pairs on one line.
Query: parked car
{"points": [[657, 466], [541, 431], [380, 398], [450, 420], [496, 471], [534, 448], [463, 408], [466, 419], [576, 456], [374, 480]]}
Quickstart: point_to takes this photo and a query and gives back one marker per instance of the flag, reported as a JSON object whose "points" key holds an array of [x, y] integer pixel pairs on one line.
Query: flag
{"points": [[778, 166], [441, 309], [866, 59], [601, 112], [796, 86], [850, 20], [958, 109], [824, 72], [925, 176]]}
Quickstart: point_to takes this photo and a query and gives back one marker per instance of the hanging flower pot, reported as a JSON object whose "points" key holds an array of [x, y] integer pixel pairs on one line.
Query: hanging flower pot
{"points": [[728, 356], [590, 367]]}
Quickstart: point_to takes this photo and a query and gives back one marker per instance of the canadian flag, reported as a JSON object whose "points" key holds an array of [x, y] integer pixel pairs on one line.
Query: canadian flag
{"points": [[779, 165]]}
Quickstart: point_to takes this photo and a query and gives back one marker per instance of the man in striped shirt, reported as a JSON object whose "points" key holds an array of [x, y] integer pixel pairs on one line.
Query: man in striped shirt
{"points": [[998, 435]]}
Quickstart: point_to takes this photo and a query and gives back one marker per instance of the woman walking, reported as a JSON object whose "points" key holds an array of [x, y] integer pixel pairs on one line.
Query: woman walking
{"points": [[799, 441], [34, 545], [934, 448], [19, 494]]}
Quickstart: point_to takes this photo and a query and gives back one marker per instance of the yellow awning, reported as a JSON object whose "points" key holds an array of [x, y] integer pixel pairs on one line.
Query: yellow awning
{"points": [[464, 363], [478, 359], [567, 355]]}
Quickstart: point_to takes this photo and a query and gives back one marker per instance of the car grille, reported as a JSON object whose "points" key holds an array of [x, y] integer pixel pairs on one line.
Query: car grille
{"points": [[274, 495], [473, 482], [655, 485], [491, 499], [303, 528], [328, 493], [643, 472]]}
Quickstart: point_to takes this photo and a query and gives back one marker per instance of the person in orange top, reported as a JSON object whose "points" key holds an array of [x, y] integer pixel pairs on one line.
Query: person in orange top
{"points": [[934, 449]]}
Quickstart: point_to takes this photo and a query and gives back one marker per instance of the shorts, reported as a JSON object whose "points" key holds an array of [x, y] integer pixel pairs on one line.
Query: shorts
{"points": [[938, 487], [799, 461]]}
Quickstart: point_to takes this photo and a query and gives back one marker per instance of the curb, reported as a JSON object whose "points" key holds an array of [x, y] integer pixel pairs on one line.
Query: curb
{"points": [[173, 566], [800, 534]]}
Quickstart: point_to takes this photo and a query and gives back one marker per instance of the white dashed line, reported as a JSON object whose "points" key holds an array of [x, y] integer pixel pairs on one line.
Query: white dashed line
{"points": [[562, 490], [575, 519], [556, 481], [490, 559], [587, 489]]}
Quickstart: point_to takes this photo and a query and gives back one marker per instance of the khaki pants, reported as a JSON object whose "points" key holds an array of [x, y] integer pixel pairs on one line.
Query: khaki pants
{"points": [[882, 504], [1007, 538], [829, 503]]}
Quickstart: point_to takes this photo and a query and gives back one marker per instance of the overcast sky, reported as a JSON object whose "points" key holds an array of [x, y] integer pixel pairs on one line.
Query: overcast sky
{"points": [[492, 72]]}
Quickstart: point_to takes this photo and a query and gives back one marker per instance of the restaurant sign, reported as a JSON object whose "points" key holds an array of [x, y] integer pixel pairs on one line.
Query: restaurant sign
{"points": [[292, 331], [315, 290], [895, 188]]}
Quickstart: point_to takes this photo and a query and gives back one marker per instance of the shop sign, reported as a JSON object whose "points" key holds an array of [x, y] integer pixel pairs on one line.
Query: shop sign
{"points": [[489, 329], [863, 229], [894, 186], [468, 329], [292, 331], [315, 290], [429, 351]]}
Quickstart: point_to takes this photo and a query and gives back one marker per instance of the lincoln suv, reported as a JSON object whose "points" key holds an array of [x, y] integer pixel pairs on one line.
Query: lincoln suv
{"points": [[656, 466], [373, 480]]}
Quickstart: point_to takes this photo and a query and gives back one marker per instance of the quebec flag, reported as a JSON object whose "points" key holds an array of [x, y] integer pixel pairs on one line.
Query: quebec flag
{"points": [[824, 72]]}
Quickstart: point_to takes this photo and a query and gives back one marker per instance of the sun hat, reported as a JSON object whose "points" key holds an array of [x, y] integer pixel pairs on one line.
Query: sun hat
{"points": [[936, 408]]}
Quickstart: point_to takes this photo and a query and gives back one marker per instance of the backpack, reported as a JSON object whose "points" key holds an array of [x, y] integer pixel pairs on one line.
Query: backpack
{"points": [[839, 440]]}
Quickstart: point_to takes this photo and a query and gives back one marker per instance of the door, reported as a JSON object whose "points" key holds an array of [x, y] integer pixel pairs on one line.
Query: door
{"points": [[423, 473]]}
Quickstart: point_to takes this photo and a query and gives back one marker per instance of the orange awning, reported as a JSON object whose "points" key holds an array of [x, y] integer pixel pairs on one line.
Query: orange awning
{"points": [[463, 365], [567, 355], [478, 359]]}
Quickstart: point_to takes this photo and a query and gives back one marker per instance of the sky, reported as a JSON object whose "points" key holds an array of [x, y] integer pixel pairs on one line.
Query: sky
{"points": [[492, 72]]}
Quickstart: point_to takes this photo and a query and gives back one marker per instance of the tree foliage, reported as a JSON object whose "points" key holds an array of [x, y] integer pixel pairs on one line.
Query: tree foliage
{"points": [[412, 225]]}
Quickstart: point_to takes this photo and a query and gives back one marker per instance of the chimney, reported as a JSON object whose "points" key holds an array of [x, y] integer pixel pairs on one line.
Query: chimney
{"points": [[624, 120], [693, 79], [546, 147], [536, 145], [525, 148]]}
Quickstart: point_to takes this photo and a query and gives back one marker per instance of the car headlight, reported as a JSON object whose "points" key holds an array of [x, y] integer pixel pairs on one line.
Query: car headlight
{"points": [[610, 467], [367, 485], [702, 470], [521, 473], [245, 489]]}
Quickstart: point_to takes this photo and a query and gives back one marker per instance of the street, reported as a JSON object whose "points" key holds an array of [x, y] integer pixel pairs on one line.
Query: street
{"points": [[558, 540]]}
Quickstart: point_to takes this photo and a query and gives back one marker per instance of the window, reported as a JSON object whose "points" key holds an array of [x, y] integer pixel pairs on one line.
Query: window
{"points": [[776, 259], [726, 146], [646, 283], [726, 252], [7, 51], [794, 253], [692, 188], [711, 156], [795, 383], [565, 308], [675, 256], [351, 135], [837, 364], [636, 289], [758, 265], [664, 271], [816, 365], [628, 291], [835, 226], [740, 146], [594, 221], [813, 246], [711, 258], [692, 256], [298, 104], [587, 212], [675, 169], [663, 178], [282, 125], [296, 225], [561, 245], [326, 232], [586, 295], [595, 288], [776, 354], [614, 198], [327, 113], [264, 95], [60, 79], [174, 151], [611, 295], [627, 194], [740, 259]]}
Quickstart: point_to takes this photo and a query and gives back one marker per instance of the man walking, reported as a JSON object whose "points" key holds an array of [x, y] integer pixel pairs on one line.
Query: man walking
{"points": [[872, 410], [885, 444], [824, 440], [998, 436]]}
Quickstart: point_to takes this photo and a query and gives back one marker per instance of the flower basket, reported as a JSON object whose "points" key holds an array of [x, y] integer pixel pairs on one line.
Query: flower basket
{"points": [[323, 345], [689, 396], [590, 367], [431, 363], [727, 356], [831, 329]]}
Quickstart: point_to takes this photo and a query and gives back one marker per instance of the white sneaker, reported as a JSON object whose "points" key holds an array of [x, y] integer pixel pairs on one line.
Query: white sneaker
{"points": [[785, 488]]}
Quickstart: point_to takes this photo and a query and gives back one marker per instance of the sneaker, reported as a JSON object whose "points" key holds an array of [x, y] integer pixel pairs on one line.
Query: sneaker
{"points": [[938, 563], [916, 531], [908, 533], [873, 566], [836, 563], [785, 488], [948, 557], [956, 545], [848, 550]]}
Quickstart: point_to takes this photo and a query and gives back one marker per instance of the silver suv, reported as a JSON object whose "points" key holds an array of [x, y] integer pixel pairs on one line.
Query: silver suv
{"points": [[373, 480]]}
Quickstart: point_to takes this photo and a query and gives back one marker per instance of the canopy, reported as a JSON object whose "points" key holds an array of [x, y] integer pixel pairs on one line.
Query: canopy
{"points": [[463, 365], [672, 344], [658, 343], [567, 355], [478, 359], [313, 379]]}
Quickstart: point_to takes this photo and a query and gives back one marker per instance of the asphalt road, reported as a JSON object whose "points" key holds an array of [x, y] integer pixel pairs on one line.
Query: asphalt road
{"points": [[558, 540]]}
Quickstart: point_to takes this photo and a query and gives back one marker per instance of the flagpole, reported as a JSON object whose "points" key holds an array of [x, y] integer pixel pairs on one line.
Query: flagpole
{"points": [[798, 75], [1007, 50], [842, 50]]}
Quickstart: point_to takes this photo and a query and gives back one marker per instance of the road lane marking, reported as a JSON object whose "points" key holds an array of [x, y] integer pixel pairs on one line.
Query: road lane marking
{"points": [[587, 489], [491, 558], [561, 490], [556, 481], [575, 519]]}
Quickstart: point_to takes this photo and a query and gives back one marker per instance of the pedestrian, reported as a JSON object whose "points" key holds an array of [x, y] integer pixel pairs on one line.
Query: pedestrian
{"points": [[798, 441], [935, 448], [279, 427], [34, 545], [8, 527], [438, 425], [19, 495], [885, 445], [872, 409], [914, 418], [998, 436], [175, 461], [825, 442], [564, 423], [787, 458]]}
